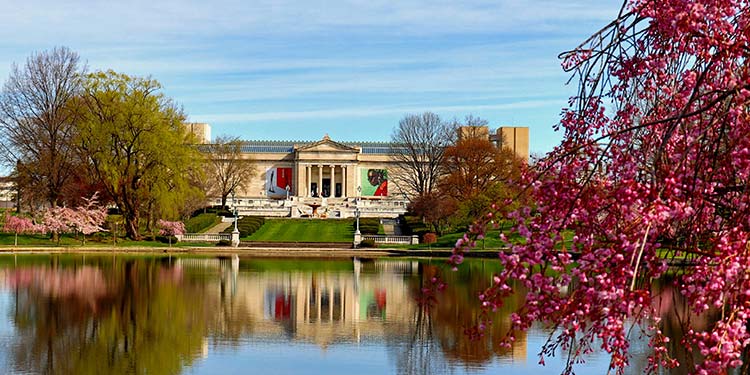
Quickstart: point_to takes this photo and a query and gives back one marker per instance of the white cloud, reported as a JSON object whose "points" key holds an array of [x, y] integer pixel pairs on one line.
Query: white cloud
{"points": [[361, 112]]}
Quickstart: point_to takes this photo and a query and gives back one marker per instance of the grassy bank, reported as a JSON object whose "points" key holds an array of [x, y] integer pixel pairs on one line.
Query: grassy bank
{"points": [[304, 230]]}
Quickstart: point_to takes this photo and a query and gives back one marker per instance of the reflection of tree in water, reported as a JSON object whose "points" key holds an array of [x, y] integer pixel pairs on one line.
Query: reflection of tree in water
{"points": [[440, 339], [418, 352], [139, 317]]}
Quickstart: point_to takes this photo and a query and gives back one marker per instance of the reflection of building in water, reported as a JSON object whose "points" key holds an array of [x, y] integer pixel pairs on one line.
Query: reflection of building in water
{"points": [[322, 307], [373, 300]]}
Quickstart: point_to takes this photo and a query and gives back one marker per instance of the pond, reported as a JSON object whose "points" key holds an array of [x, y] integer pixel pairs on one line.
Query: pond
{"points": [[86, 314]]}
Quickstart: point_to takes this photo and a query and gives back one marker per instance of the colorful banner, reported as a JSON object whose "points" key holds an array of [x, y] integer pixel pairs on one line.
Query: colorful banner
{"points": [[374, 183], [277, 179]]}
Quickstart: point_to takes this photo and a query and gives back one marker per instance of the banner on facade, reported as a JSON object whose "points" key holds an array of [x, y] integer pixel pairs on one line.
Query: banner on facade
{"points": [[277, 179], [374, 183]]}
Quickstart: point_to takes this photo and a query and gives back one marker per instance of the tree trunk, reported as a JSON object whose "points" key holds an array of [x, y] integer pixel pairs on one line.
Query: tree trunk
{"points": [[224, 201], [131, 226]]}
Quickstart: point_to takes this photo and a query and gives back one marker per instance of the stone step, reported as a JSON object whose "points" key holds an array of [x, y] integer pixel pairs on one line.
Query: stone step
{"points": [[218, 228]]}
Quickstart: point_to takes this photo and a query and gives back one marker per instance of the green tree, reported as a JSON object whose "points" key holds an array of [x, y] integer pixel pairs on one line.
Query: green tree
{"points": [[135, 144]]}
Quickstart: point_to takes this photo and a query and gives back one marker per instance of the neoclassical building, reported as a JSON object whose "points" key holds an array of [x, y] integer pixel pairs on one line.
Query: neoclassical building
{"points": [[327, 178]]}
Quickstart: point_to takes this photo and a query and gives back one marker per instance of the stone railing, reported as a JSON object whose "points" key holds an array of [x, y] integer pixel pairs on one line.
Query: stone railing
{"points": [[204, 237], [400, 240]]}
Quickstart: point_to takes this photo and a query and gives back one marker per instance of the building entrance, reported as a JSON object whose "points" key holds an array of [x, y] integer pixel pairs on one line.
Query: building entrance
{"points": [[326, 190]]}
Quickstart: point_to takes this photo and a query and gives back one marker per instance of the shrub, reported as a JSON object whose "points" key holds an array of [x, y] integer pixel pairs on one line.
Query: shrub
{"points": [[429, 238], [368, 243], [368, 225], [247, 225], [166, 239], [224, 243], [412, 225]]}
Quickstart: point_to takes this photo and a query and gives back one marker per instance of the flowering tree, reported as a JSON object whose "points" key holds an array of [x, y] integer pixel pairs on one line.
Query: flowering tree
{"points": [[660, 176], [16, 225], [171, 228], [85, 219]]}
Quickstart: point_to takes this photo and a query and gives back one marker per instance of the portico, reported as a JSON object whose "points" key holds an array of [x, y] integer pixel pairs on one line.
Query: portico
{"points": [[326, 169], [324, 180]]}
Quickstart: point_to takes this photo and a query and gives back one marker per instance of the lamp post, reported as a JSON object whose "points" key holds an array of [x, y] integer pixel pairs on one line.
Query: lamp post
{"points": [[235, 232], [356, 210], [357, 233], [234, 207]]}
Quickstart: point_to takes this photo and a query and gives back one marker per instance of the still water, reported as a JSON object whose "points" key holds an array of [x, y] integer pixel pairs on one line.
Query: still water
{"points": [[84, 314]]}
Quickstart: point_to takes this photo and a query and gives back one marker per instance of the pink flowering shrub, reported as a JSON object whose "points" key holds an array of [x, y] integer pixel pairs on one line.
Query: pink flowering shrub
{"points": [[170, 228], [662, 175], [17, 224]]}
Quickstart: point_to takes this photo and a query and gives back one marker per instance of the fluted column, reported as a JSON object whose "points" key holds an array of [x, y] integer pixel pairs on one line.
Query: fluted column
{"points": [[332, 189], [343, 181], [320, 181], [308, 172]]}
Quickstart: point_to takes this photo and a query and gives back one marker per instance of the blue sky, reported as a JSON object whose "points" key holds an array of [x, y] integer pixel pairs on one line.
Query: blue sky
{"points": [[296, 70]]}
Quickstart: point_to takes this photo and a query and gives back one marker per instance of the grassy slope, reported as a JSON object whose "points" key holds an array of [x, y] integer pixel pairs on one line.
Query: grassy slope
{"points": [[304, 230]]}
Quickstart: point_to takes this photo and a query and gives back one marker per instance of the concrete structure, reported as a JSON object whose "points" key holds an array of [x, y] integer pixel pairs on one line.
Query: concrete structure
{"points": [[515, 138], [8, 192], [200, 130]]}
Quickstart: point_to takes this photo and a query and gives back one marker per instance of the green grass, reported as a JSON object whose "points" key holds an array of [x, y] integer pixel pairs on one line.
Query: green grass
{"points": [[201, 223], [304, 230], [38, 240]]}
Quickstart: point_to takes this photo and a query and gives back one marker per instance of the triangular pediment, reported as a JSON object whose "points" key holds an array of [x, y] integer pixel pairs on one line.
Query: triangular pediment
{"points": [[327, 145]]}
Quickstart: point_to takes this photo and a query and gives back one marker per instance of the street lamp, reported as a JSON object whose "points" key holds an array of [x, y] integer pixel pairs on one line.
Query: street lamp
{"points": [[234, 205], [356, 210]]}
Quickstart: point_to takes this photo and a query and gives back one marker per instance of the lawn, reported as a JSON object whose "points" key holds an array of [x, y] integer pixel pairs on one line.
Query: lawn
{"points": [[39, 240], [304, 230]]}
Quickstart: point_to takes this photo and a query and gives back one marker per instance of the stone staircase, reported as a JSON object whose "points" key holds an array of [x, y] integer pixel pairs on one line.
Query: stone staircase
{"points": [[218, 228]]}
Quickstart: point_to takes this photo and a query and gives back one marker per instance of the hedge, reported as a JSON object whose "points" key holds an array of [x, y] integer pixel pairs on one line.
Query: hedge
{"points": [[368, 225], [413, 225], [247, 225]]}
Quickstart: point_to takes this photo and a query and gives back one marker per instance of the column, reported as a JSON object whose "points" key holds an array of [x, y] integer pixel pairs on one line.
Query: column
{"points": [[308, 172], [343, 181], [332, 192], [320, 181]]}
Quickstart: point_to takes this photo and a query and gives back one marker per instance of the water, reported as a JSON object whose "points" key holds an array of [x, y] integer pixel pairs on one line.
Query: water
{"points": [[83, 314]]}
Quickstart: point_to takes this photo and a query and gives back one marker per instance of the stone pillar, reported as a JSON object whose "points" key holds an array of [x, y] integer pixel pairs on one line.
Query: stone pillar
{"points": [[308, 172], [332, 192], [320, 181], [343, 181]]}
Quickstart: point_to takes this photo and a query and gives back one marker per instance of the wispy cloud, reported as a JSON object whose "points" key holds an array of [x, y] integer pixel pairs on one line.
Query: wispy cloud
{"points": [[296, 65], [362, 112]]}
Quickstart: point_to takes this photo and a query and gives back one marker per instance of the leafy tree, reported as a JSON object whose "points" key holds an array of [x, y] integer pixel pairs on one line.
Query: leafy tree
{"points": [[37, 123], [473, 164], [661, 176], [434, 208], [419, 142], [134, 143], [227, 170]]}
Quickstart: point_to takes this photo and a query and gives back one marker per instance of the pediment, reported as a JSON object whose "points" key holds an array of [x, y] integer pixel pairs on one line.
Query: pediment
{"points": [[327, 145]]}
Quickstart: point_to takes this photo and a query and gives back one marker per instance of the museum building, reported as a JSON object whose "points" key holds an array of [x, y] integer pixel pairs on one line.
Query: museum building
{"points": [[330, 179]]}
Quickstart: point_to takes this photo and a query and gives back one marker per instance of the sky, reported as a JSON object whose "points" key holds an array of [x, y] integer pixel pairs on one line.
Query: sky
{"points": [[297, 70]]}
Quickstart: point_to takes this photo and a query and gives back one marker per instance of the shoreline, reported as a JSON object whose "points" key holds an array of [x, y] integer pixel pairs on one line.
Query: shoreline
{"points": [[270, 252]]}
